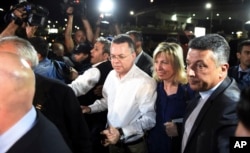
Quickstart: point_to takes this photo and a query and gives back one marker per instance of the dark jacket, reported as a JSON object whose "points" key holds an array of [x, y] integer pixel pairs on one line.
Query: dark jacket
{"points": [[145, 63], [242, 82], [216, 121], [43, 137], [59, 104], [97, 121]]}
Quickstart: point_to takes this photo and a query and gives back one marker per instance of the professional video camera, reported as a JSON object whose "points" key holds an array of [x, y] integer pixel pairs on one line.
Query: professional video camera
{"points": [[34, 15], [79, 6]]}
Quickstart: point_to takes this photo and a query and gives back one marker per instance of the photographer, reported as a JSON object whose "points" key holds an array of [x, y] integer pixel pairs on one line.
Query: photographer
{"points": [[80, 36], [24, 20]]}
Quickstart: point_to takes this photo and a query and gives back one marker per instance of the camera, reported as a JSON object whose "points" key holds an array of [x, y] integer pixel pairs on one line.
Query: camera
{"points": [[79, 6], [35, 15]]}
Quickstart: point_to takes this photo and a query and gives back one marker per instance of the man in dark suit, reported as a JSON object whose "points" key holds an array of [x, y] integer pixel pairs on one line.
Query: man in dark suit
{"points": [[241, 72], [210, 119], [143, 60], [54, 99], [23, 129]]}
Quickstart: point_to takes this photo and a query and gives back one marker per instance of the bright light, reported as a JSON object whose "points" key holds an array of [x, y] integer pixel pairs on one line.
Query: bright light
{"points": [[189, 20], [53, 30], [106, 6], [151, 1], [229, 18], [217, 14], [174, 17], [1, 9], [131, 13], [199, 31], [208, 6]]}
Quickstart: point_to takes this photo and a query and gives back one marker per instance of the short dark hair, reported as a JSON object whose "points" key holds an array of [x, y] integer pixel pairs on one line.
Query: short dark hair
{"points": [[243, 108], [106, 44], [214, 42], [40, 45], [243, 43], [124, 38], [136, 34]]}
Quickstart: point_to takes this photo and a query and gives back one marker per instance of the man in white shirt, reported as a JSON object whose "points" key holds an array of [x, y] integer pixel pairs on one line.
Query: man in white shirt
{"points": [[86, 86], [129, 95]]}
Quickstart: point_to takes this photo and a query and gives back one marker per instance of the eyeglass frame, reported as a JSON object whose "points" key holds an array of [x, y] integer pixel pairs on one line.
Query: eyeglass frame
{"points": [[119, 57]]}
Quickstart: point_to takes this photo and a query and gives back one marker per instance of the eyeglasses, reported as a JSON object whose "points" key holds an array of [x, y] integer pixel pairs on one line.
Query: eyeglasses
{"points": [[118, 57]]}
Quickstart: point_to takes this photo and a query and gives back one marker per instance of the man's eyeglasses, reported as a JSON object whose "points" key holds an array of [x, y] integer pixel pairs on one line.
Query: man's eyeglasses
{"points": [[118, 57]]}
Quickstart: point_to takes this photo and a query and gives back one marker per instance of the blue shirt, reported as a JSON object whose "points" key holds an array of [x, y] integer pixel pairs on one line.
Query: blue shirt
{"points": [[47, 68]]}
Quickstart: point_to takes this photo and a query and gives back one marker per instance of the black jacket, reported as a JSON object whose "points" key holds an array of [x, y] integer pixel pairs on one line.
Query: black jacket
{"points": [[145, 63], [59, 104], [216, 121], [43, 137]]}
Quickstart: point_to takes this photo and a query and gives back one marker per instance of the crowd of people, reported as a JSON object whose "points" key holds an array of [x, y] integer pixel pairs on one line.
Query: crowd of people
{"points": [[91, 94]]}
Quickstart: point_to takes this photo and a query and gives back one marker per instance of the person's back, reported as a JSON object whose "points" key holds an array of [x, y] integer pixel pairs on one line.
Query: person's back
{"points": [[23, 129]]}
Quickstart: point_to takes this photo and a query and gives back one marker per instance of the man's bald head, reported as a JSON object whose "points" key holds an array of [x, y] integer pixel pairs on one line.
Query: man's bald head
{"points": [[17, 83]]}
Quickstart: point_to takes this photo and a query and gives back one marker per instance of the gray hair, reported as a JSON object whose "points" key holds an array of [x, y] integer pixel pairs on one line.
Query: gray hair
{"points": [[214, 42], [23, 48]]}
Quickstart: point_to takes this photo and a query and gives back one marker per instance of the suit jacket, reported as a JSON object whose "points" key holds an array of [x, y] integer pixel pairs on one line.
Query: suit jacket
{"points": [[145, 63], [216, 121], [43, 137], [242, 82], [59, 104]]}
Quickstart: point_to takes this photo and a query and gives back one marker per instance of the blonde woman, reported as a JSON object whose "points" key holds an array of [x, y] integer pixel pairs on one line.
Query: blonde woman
{"points": [[172, 94]]}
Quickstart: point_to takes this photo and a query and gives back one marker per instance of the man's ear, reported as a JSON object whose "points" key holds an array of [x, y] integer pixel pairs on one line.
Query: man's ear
{"points": [[105, 56], [238, 54]]}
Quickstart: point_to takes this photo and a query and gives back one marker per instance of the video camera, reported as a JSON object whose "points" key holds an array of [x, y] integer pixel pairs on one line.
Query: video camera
{"points": [[79, 6], [35, 15]]}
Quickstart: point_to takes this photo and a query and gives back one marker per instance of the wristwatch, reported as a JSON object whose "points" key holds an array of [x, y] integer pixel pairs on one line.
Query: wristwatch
{"points": [[122, 137]]}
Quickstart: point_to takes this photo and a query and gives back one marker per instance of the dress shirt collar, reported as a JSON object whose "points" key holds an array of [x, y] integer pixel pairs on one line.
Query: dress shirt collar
{"points": [[206, 94], [12, 135], [138, 56], [128, 74], [95, 65], [240, 70]]}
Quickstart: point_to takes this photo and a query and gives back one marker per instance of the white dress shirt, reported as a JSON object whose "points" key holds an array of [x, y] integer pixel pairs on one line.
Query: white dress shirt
{"points": [[85, 82], [192, 117], [8, 138], [130, 102]]}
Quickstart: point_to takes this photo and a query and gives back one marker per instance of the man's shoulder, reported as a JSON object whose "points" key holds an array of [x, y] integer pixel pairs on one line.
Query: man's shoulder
{"points": [[40, 136], [52, 83], [145, 56]]}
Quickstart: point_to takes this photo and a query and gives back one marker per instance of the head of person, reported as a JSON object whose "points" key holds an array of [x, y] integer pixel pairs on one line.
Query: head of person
{"points": [[243, 112], [243, 54], [169, 64], [100, 52], [17, 92], [122, 54], [81, 53], [79, 36], [41, 46], [137, 38], [207, 61], [21, 47], [58, 49]]}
